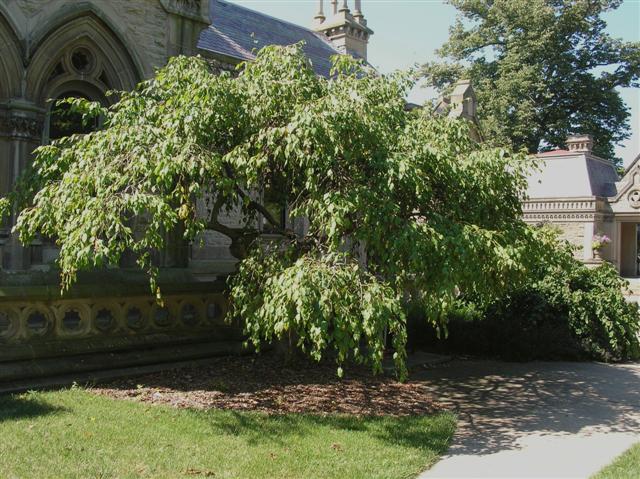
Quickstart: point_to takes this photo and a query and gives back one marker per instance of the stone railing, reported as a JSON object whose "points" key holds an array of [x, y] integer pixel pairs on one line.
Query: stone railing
{"points": [[559, 205], [39, 321], [110, 312], [576, 209]]}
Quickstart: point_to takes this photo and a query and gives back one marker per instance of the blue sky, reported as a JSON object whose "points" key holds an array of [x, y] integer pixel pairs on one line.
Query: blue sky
{"points": [[408, 31]]}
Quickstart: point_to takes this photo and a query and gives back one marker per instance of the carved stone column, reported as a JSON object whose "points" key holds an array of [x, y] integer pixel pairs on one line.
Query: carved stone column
{"points": [[21, 124]]}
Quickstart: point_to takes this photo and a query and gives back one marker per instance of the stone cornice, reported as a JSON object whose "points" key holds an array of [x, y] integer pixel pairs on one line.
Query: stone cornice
{"points": [[347, 30]]}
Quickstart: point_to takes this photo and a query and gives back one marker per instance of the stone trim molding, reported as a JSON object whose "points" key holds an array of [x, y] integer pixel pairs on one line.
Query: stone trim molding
{"points": [[539, 217], [355, 31], [585, 209]]}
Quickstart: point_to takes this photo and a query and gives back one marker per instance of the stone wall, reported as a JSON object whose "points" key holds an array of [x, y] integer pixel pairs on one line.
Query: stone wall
{"points": [[152, 30], [572, 232]]}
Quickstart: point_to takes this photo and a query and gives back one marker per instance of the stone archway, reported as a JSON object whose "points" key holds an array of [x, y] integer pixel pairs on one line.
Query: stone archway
{"points": [[11, 68], [73, 53], [81, 57], [81, 54]]}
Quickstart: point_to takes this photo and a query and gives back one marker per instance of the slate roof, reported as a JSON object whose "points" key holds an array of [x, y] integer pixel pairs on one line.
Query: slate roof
{"points": [[568, 174], [236, 31], [554, 153]]}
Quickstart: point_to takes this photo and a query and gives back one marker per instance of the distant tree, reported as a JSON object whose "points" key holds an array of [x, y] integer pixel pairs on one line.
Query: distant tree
{"points": [[384, 206], [541, 69]]}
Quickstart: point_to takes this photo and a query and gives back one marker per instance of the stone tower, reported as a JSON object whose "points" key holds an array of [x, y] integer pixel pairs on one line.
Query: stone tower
{"points": [[347, 30], [462, 103]]}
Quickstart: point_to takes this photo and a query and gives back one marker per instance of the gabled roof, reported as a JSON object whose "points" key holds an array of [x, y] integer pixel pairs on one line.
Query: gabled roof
{"points": [[237, 32], [629, 179], [632, 165]]}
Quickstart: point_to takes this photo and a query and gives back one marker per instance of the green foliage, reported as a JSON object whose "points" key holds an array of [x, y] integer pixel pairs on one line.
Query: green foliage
{"points": [[327, 301], [541, 69], [582, 312], [385, 206], [566, 311], [589, 300], [522, 328], [604, 323]]}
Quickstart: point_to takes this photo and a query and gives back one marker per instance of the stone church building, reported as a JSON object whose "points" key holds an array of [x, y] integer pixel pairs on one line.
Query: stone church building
{"points": [[52, 49]]}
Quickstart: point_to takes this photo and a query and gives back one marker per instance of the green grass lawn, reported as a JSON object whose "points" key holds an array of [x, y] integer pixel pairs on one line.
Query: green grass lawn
{"points": [[73, 434], [626, 466]]}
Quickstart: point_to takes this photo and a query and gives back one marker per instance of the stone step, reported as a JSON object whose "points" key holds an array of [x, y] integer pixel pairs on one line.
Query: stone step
{"points": [[93, 378], [24, 375]]}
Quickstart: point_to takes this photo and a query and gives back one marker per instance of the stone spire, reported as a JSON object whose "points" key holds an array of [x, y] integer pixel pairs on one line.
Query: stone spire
{"points": [[347, 31], [320, 18], [357, 13], [463, 100], [462, 103]]}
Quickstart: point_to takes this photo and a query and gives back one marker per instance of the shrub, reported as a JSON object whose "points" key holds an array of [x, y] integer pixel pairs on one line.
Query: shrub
{"points": [[605, 324], [570, 312]]}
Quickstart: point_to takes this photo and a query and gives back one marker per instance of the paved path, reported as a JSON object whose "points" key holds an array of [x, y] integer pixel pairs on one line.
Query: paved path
{"points": [[536, 420]]}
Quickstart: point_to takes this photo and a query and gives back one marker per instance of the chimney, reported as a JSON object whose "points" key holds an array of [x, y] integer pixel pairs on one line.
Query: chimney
{"points": [[580, 143], [348, 32]]}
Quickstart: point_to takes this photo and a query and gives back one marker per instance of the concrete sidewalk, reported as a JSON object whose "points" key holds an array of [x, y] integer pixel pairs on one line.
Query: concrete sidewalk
{"points": [[536, 420]]}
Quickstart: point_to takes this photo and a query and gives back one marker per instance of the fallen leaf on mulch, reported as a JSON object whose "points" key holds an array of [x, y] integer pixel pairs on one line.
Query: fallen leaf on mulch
{"points": [[264, 384]]}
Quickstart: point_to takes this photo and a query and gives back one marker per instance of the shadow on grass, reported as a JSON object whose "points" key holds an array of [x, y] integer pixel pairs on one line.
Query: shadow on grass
{"points": [[434, 436], [430, 432], [23, 407]]}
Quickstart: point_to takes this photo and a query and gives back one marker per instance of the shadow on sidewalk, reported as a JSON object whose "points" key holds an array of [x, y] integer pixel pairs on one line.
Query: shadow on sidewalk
{"points": [[498, 403]]}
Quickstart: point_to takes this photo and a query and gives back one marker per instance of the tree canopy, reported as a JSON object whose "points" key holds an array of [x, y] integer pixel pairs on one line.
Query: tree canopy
{"points": [[385, 206], [542, 69]]}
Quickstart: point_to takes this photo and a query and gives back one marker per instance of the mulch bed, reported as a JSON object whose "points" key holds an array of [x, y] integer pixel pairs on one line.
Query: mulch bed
{"points": [[267, 385]]}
